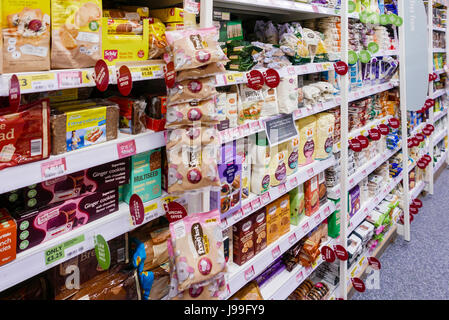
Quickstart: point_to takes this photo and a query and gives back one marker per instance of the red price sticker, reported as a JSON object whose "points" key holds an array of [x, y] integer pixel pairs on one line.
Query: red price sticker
{"points": [[136, 209], [427, 132], [358, 284], [124, 81], [341, 252], [364, 142], [126, 149], [170, 75], [374, 263], [341, 68], [394, 123], [14, 92], [413, 209], [266, 198], [420, 137], [374, 134], [101, 75], [418, 203], [328, 254], [384, 129], [249, 273], [255, 80], [355, 145], [276, 252], [272, 78], [292, 239], [53, 168], [421, 164]]}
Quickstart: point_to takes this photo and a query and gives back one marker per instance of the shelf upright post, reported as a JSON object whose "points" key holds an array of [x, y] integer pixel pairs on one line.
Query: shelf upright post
{"points": [[344, 148], [405, 232], [446, 100], [206, 13], [430, 173]]}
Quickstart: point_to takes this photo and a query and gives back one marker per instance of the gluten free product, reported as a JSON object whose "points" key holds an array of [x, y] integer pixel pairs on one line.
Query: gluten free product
{"points": [[77, 125]]}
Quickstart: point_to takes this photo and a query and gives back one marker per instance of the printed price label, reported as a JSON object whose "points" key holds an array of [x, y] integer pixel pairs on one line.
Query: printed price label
{"points": [[249, 273], [266, 198], [235, 133], [305, 227], [224, 223], [245, 130], [237, 215], [364, 172], [304, 69], [327, 210], [126, 149], [310, 173], [315, 9], [69, 79], [291, 71], [255, 126], [68, 248], [282, 188], [318, 218], [299, 276], [292, 238], [256, 204], [293, 182], [297, 113], [53, 168], [234, 78], [276, 252], [247, 209], [38, 82], [351, 182]]}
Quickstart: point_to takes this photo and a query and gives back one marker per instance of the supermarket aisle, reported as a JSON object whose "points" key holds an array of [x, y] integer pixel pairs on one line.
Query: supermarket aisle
{"points": [[418, 270]]}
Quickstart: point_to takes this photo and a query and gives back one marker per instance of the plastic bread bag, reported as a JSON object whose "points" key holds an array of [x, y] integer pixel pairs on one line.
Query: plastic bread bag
{"points": [[287, 93], [250, 103], [270, 105], [132, 114], [208, 70], [202, 113], [193, 48], [198, 248], [158, 42], [192, 136], [191, 90], [271, 34]]}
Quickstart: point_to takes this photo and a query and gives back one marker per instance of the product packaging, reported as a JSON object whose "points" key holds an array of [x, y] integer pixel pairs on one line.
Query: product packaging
{"points": [[156, 112], [8, 236], [284, 214], [307, 136], [243, 241], [312, 196], [260, 230], [297, 205], [273, 222], [25, 30], [168, 14], [132, 114], [249, 292], [145, 176]]}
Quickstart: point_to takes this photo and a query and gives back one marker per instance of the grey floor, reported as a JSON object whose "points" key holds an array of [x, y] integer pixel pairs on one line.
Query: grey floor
{"points": [[419, 270]]}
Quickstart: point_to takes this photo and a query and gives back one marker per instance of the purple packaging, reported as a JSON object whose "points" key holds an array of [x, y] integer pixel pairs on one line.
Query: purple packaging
{"points": [[271, 272], [100, 178], [354, 201], [43, 225], [227, 198]]}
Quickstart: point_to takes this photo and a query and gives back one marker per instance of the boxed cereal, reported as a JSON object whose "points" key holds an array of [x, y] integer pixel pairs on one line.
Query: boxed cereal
{"points": [[8, 235], [243, 241], [26, 35], [312, 196], [273, 222], [260, 230]]}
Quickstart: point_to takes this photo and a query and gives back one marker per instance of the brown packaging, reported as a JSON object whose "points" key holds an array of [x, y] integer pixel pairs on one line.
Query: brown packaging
{"points": [[8, 234], [322, 188], [260, 230], [243, 240], [284, 214], [312, 196], [273, 222]]}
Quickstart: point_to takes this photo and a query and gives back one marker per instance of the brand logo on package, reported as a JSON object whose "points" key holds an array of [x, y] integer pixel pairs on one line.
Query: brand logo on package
{"points": [[110, 55], [198, 239]]}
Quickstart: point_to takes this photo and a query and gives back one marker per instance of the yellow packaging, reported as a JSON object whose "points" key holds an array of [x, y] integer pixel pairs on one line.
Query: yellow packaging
{"points": [[1, 43], [273, 222], [249, 292], [168, 14], [76, 33], [307, 135], [278, 164], [283, 205], [158, 42], [174, 26], [120, 47], [26, 35]]}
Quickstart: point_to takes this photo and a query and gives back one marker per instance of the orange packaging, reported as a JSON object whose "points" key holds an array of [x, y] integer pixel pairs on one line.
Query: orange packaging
{"points": [[284, 214], [273, 222], [8, 237], [312, 196]]}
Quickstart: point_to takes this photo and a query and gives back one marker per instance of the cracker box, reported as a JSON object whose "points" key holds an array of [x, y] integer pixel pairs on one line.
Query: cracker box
{"points": [[145, 177], [243, 240], [273, 222], [312, 196], [168, 14], [40, 226], [7, 237], [26, 35], [260, 230], [284, 214]]}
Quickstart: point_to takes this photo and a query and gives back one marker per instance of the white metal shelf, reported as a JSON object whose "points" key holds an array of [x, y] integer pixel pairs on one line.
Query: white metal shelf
{"points": [[437, 116], [255, 202], [438, 93], [32, 261], [416, 191], [241, 275], [440, 162], [439, 50], [439, 29], [88, 157], [439, 136]]}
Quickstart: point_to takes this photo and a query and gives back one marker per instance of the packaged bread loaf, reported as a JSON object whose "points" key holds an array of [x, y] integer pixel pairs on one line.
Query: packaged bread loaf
{"points": [[203, 113], [76, 33], [132, 114], [24, 134], [191, 90], [26, 35], [208, 70], [76, 125]]}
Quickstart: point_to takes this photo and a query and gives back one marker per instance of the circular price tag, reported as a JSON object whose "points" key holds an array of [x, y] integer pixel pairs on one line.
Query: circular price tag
{"points": [[101, 75], [272, 78], [174, 211], [427, 132], [373, 47], [341, 252], [124, 81], [418, 203], [363, 16], [365, 56], [136, 209], [358, 284], [374, 263], [341, 68], [351, 6], [427, 158], [14, 92], [328, 254], [415, 141], [384, 129], [421, 164], [355, 145], [102, 252], [374, 134], [363, 141], [413, 209], [170, 75], [255, 80], [431, 77], [384, 19], [410, 143], [430, 127], [394, 123], [352, 57], [420, 137]]}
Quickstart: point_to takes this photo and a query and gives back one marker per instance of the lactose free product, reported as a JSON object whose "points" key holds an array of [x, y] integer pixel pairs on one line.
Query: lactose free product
{"points": [[243, 240], [25, 134], [76, 33], [7, 237], [26, 35]]}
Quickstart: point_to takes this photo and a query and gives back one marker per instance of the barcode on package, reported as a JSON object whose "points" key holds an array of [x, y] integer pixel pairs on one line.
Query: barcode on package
{"points": [[36, 147], [120, 254]]}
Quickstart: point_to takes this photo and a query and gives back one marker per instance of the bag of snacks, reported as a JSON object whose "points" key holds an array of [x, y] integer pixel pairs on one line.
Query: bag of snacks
{"points": [[203, 112], [194, 48], [208, 70], [158, 42], [191, 90]]}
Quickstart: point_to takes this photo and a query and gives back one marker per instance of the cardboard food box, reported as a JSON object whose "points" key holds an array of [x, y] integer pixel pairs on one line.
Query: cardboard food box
{"points": [[168, 14], [40, 226], [312, 196], [284, 214], [243, 241], [273, 222], [260, 230], [145, 176], [7, 237]]}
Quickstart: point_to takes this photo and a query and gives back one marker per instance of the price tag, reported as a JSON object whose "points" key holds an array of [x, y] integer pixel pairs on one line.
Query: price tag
{"points": [[299, 277], [151, 212], [358, 284], [266, 198], [276, 252], [319, 67], [305, 227], [38, 82], [136, 210], [327, 210], [249, 273], [53, 168], [282, 188], [292, 239], [310, 173], [245, 130], [256, 204], [328, 254], [297, 113], [234, 78], [126, 149], [315, 9], [364, 172], [255, 126], [291, 71], [236, 216], [247, 209], [338, 100], [317, 218], [371, 90], [293, 182], [351, 182], [235, 133], [69, 79], [66, 249], [224, 224]]}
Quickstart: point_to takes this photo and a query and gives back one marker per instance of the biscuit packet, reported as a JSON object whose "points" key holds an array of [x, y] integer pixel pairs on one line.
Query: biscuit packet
{"points": [[26, 34], [203, 113], [158, 42], [198, 249], [191, 90], [76, 33], [193, 48]]}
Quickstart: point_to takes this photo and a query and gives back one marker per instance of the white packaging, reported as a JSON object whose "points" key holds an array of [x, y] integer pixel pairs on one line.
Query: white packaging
{"points": [[287, 94]]}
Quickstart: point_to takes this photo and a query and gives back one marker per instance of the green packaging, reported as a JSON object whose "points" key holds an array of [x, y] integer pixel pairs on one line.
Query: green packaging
{"points": [[145, 177], [297, 205], [333, 222]]}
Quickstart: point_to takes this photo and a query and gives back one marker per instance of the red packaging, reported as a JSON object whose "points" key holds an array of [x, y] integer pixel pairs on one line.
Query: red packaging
{"points": [[24, 134], [156, 112]]}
